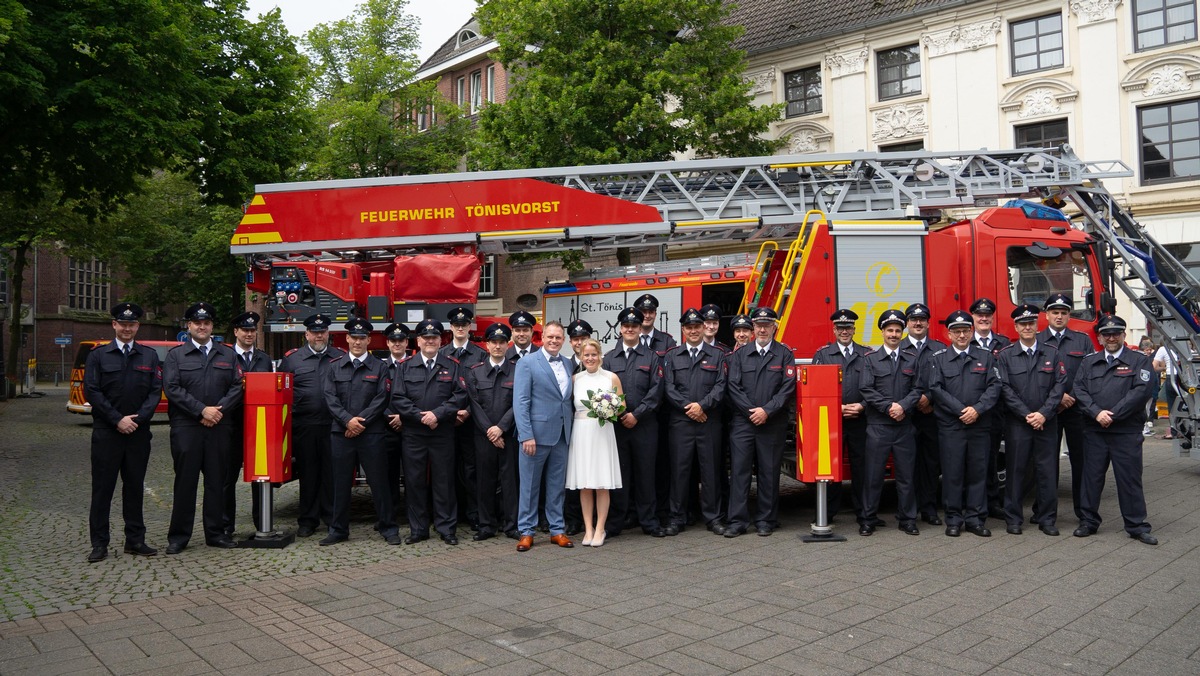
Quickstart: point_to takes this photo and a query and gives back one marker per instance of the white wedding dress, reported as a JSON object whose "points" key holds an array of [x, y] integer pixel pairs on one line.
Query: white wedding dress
{"points": [[593, 461]]}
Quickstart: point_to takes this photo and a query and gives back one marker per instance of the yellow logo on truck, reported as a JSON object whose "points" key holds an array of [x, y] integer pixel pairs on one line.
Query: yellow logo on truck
{"points": [[883, 279], [261, 236]]}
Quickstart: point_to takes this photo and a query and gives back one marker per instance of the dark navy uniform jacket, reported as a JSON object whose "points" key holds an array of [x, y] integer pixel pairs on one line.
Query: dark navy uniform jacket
{"points": [[1122, 387], [641, 378], [116, 386], [490, 396], [852, 371], [351, 392], [471, 355], [416, 388], [193, 380], [511, 355], [686, 381], [881, 387], [308, 383], [1031, 385], [1072, 347], [955, 381], [999, 342], [766, 381], [260, 362], [660, 342]]}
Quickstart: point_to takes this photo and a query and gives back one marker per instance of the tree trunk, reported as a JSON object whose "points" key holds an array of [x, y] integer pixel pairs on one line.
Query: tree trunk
{"points": [[623, 256], [17, 274]]}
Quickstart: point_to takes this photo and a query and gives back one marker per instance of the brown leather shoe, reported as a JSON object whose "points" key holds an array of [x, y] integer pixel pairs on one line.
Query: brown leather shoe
{"points": [[561, 540], [524, 543]]}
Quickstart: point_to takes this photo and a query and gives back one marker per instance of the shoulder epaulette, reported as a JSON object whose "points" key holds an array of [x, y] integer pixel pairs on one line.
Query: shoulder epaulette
{"points": [[476, 365], [940, 351], [292, 351], [336, 357]]}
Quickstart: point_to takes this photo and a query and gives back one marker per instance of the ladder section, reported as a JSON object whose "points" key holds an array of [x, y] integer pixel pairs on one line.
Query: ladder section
{"points": [[764, 281], [799, 253]]}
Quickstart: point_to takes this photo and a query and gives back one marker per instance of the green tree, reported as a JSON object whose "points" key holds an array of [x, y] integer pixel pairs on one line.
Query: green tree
{"points": [[367, 99]]}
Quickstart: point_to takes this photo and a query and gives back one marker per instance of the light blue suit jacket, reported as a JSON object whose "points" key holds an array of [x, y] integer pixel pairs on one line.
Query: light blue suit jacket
{"points": [[541, 411]]}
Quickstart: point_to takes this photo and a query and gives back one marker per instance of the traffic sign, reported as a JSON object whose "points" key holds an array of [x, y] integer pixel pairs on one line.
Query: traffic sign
{"points": [[63, 340]]}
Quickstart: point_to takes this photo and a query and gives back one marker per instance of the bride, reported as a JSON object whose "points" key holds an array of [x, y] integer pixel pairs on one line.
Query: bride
{"points": [[592, 465]]}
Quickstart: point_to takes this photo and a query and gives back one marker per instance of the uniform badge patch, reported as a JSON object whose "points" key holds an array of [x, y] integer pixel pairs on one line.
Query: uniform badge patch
{"points": [[1145, 376]]}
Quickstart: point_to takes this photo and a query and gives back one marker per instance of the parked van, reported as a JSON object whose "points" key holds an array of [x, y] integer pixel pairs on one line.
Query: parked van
{"points": [[77, 402]]}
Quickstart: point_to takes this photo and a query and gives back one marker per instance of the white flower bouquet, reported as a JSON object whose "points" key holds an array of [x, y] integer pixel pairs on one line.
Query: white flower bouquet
{"points": [[604, 405]]}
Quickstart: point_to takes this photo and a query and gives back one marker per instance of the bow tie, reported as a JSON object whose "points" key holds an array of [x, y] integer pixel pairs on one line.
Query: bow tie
{"points": [[554, 359]]}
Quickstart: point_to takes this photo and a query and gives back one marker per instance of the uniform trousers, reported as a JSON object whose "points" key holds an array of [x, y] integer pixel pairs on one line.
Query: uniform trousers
{"points": [[996, 464], [125, 455], [1070, 425], [637, 499], [464, 471], [347, 454], [1023, 446], [312, 465], [496, 470], [964, 459], [196, 449], [754, 446], [392, 448], [1123, 449], [899, 442], [551, 461], [429, 469], [237, 455], [695, 445], [929, 461]]}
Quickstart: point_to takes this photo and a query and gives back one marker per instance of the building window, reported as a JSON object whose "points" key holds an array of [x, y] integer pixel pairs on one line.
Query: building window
{"points": [[1042, 135], [803, 91], [907, 147], [1157, 23], [460, 94], [476, 92], [87, 284], [423, 118], [899, 72], [466, 35], [487, 277], [1037, 44], [1170, 141], [491, 84]]}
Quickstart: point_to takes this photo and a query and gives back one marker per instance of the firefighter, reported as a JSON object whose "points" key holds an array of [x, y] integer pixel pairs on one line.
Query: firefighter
{"points": [[712, 325], [761, 392], [490, 397], [123, 383], [245, 333], [1034, 379], [202, 380], [397, 342], [694, 378], [522, 324], [312, 463], [578, 332], [356, 390], [743, 330], [1072, 347], [848, 354], [651, 337], [983, 312], [659, 342], [891, 390], [467, 354], [928, 468], [1111, 390], [640, 371], [428, 393], [964, 386]]}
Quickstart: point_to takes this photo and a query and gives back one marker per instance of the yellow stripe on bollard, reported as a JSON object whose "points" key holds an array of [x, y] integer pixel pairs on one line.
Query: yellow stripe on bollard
{"points": [[260, 443], [823, 461]]}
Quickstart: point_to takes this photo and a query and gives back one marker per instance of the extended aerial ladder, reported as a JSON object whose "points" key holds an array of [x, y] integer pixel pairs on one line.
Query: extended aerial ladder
{"points": [[750, 200]]}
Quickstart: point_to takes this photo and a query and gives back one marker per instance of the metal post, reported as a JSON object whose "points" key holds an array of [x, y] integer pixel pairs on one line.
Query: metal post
{"points": [[821, 530], [265, 536]]}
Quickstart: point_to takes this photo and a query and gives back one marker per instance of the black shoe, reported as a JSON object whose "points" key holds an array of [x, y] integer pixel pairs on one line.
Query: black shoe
{"points": [[1013, 529], [1050, 529], [717, 527], [451, 539], [878, 523], [98, 554], [483, 535], [332, 539], [910, 528], [981, 530], [414, 538], [656, 532], [512, 534], [733, 531], [140, 549], [175, 547], [671, 530], [953, 531], [997, 513], [223, 542], [573, 529], [866, 529], [394, 539], [932, 519], [1145, 538], [764, 531], [305, 531], [1084, 531]]}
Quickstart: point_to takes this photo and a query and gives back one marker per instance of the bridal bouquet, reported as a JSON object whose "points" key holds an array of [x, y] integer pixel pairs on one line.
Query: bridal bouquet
{"points": [[604, 405]]}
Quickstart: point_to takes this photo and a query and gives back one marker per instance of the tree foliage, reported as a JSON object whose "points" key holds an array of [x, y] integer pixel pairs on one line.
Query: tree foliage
{"points": [[367, 99], [607, 81]]}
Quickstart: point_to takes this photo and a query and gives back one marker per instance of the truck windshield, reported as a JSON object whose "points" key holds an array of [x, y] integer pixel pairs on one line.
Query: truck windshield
{"points": [[1032, 279]]}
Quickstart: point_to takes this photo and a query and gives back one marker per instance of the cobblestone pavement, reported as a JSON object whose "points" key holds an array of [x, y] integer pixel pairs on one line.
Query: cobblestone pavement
{"points": [[690, 604]]}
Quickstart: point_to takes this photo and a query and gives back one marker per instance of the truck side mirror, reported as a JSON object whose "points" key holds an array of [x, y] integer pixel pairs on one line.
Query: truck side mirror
{"points": [[1108, 304]]}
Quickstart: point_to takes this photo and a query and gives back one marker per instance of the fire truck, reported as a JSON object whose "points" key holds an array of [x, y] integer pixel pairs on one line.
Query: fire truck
{"points": [[869, 231]]}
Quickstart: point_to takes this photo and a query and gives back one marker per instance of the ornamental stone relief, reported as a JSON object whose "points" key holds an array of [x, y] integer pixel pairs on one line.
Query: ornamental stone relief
{"points": [[1167, 80], [847, 63], [899, 121], [1095, 11], [761, 82], [962, 38], [1040, 101]]}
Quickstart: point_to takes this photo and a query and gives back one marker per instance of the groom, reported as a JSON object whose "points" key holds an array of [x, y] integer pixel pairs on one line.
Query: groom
{"points": [[543, 408]]}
